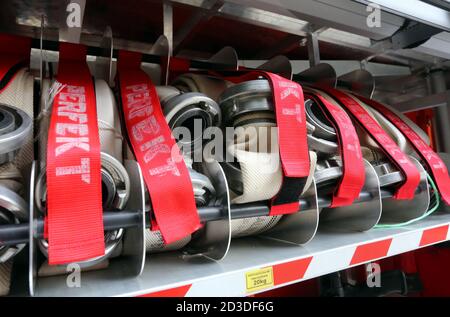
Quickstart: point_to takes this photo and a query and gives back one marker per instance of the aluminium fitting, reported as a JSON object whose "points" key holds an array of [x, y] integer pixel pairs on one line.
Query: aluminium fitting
{"points": [[321, 134], [15, 127], [115, 185], [115, 194], [185, 109], [13, 210]]}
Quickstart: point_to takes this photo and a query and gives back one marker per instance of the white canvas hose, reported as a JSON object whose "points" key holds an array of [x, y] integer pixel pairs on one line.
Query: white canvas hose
{"points": [[212, 87], [395, 134], [19, 94], [256, 174], [371, 151], [114, 175], [5, 277], [256, 225]]}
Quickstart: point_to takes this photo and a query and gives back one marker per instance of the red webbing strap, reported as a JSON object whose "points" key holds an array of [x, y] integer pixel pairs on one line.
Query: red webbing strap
{"points": [[14, 54], [390, 148], [156, 151], [353, 170], [434, 163], [75, 216], [292, 139]]}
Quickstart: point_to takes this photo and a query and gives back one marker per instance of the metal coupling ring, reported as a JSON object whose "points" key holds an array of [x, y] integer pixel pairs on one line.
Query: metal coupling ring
{"points": [[328, 172], [247, 98], [388, 174], [115, 185], [115, 194], [322, 138], [204, 191], [13, 210], [185, 109], [112, 239], [15, 127], [243, 104]]}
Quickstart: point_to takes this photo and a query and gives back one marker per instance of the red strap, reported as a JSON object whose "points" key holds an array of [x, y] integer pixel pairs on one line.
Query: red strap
{"points": [[14, 54], [353, 171], [389, 147], [434, 163], [292, 138], [75, 216], [163, 167]]}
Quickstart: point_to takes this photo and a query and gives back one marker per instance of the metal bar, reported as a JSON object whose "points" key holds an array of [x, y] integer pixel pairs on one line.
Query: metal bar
{"points": [[50, 45], [313, 49], [441, 120], [168, 24], [427, 102], [18, 233]]}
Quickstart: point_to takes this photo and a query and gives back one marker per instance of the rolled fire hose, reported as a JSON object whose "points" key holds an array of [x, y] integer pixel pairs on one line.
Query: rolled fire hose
{"points": [[324, 133], [323, 140], [115, 179], [181, 109], [255, 172], [212, 87], [16, 154]]}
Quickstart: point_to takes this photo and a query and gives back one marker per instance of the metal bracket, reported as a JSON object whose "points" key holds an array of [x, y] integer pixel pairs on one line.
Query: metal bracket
{"points": [[397, 211], [168, 24], [226, 56], [162, 48], [359, 81], [134, 240], [356, 217], [32, 233], [104, 62], [322, 73], [213, 240], [413, 35], [42, 65], [300, 227], [280, 65], [313, 49]]}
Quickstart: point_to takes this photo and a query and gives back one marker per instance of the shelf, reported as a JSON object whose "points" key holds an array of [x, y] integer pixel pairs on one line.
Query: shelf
{"points": [[170, 275]]}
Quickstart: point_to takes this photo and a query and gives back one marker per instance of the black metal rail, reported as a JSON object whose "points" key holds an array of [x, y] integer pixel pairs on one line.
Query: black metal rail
{"points": [[13, 234]]}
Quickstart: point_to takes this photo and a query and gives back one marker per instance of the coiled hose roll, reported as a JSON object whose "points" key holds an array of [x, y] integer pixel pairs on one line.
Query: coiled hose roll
{"points": [[115, 179], [255, 174], [19, 94]]}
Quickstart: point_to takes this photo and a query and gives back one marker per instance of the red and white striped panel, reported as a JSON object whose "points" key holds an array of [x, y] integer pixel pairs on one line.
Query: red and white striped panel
{"points": [[294, 270]]}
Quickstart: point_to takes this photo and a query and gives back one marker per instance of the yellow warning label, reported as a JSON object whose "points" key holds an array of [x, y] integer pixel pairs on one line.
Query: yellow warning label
{"points": [[259, 279]]}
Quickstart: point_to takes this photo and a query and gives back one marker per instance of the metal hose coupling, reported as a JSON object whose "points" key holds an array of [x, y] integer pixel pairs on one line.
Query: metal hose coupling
{"points": [[15, 129], [323, 140], [204, 194], [182, 109], [115, 193], [255, 173], [13, 210], [193, 111], [322, 137]]}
